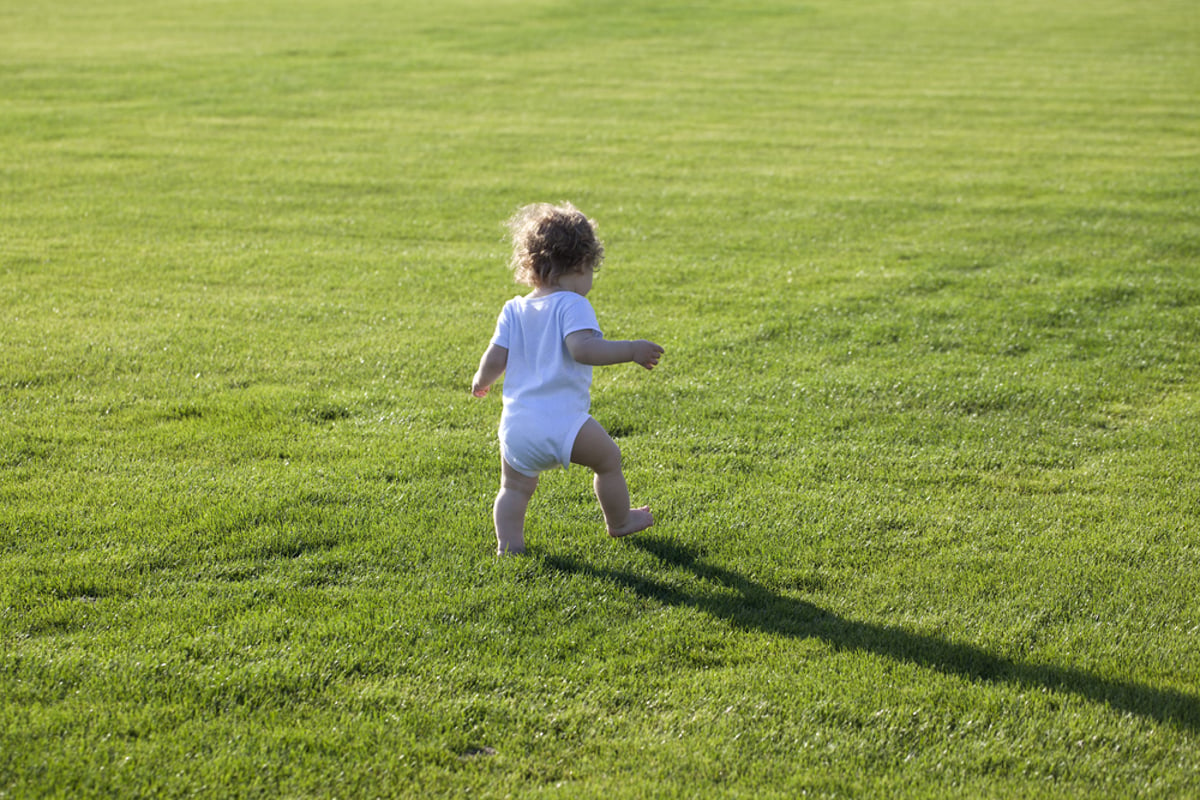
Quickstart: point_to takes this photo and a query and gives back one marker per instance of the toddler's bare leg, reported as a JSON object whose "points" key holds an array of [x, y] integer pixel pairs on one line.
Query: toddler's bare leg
{"points": [[508, 512], [596, 450]]}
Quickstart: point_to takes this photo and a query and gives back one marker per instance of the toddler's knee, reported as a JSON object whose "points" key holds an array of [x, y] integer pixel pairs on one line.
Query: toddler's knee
{"points": [[513, 481], [611, 461]]}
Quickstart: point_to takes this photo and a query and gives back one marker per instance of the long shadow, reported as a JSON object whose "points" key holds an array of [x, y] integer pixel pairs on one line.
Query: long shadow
{"points": [[759, 608]]}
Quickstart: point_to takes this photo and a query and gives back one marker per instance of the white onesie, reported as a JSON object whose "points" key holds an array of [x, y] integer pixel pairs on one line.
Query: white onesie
{"points": [[547, 394]]}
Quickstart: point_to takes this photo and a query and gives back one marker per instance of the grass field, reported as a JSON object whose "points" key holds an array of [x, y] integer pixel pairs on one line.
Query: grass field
{"points": [[923, 448]]}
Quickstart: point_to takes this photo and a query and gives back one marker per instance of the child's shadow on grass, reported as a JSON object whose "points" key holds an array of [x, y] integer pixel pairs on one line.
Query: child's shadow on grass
{"points": [[758, 608]]}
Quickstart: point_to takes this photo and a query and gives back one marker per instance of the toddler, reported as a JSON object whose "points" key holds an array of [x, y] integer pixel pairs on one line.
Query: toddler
{"points": [[546, 344]]}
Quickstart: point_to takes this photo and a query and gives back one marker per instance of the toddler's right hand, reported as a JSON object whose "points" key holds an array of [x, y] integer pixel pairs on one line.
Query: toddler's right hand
{"points": [[646, 353]]}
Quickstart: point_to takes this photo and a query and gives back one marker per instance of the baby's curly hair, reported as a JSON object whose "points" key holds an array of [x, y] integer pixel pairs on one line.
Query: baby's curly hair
{"points": [[550, 241]]}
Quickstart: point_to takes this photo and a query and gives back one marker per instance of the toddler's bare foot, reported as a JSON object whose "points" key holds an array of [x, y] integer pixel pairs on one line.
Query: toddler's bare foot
{"points": [[639, 519]]}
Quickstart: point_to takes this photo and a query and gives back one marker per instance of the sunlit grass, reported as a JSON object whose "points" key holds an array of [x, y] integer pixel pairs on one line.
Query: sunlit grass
{"points": [[921, 448]]}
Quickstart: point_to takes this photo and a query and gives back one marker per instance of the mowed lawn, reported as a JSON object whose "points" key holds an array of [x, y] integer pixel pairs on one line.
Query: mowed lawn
{"points": [[923, 448]]}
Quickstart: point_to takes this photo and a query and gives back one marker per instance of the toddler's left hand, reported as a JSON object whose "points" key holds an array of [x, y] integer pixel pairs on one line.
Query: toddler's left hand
{"points": [[646, 353]]}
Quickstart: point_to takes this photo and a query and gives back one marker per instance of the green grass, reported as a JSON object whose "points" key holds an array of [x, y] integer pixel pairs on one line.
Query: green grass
{"points": [[923, 447]]}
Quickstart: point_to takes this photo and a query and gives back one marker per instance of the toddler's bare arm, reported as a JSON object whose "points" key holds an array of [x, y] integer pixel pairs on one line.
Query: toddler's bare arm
{"points": [[491, 367], [589, 347]]}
